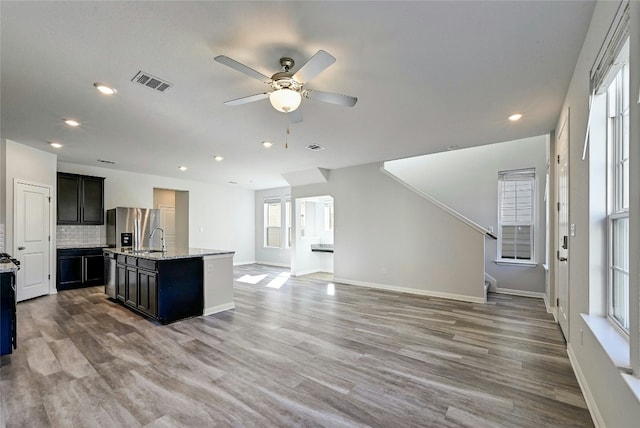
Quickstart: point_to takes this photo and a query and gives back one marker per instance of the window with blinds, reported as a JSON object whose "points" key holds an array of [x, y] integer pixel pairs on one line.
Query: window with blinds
{"points": [[272, 222], [516, 215]]}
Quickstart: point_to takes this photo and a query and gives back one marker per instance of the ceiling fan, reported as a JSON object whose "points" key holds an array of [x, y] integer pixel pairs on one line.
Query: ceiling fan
{"points": [[288, 87]]}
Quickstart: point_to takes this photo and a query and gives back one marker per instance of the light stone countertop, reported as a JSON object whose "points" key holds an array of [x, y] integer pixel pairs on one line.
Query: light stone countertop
{"points": [[8, 267], [171, 253]]}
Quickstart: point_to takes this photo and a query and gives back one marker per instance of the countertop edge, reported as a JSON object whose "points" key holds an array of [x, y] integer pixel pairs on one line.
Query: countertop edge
{"points": [[187, 253]]}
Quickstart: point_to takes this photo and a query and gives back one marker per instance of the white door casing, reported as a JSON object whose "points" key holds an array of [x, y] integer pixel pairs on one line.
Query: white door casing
{"points": [[32, 239], [562, 228]]}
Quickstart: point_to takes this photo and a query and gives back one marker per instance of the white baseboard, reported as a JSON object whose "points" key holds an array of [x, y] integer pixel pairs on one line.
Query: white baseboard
{"points": [[493, 283], [220, 308], [523, 293], [550, 309], [460, 297], [253, 262], [584, 387]]}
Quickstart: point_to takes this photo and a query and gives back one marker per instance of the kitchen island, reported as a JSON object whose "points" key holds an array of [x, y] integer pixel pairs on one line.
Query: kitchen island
{"points": [[175, 284]]}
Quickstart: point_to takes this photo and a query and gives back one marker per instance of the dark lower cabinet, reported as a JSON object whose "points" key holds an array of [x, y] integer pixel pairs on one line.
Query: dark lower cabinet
{"points": [[79, 267], [148, 292], [121, 281], [131, 296], [165, 290]]}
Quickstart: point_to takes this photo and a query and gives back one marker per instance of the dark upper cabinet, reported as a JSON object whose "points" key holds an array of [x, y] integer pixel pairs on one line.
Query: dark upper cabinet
{"points": [[80, 199]]}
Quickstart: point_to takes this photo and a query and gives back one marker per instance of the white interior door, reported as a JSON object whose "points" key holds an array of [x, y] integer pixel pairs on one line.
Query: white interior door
{"points": [[168, 223], [32, 239], [562, 228]]}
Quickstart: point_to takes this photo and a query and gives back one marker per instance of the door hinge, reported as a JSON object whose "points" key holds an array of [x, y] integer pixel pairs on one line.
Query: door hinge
{"points": [[558, 254], [557, 301], [558, 158], [49, 276], [49, 238], [49, 197], [558, 206]]}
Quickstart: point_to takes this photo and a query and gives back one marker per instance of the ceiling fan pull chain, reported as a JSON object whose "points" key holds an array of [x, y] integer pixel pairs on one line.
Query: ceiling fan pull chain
{"points": [[286, 135]]}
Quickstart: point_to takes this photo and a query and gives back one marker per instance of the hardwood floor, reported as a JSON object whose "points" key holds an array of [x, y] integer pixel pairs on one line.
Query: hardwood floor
{"points": [[304, 354]]}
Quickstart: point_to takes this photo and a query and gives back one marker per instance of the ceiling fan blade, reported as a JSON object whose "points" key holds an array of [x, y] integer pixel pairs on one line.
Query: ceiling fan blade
{"points": [[295, 116], [249, 99], [242, 68], [330, 97], [316, 65]]}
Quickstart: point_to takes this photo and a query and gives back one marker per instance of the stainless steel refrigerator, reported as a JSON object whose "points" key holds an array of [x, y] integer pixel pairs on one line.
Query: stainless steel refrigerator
{"points": [[130, 227]]}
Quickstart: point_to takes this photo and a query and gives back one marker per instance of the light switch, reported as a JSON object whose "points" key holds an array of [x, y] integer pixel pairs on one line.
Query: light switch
{"points": [[573, 229]]}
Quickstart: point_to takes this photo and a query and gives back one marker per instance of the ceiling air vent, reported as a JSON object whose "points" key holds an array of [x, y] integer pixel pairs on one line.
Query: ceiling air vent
{"points": [[152, 82], [315, 147]]}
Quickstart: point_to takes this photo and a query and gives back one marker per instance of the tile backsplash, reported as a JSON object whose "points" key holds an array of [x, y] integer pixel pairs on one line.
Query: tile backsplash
{"points": [[69, 236]]}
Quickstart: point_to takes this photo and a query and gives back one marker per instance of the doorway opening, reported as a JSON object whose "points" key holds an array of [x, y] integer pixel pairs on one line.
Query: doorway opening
{"points": [[174, 215], [314, 225]]}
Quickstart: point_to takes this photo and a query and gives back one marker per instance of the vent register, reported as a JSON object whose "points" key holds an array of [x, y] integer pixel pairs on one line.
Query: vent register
{"points": [[146, 79]]}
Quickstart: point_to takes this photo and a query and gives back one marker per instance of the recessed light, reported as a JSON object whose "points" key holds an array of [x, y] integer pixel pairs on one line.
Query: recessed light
{"points": [[183, 168], [218, 158], [55, 145], [72, 122], [104, 88], [515, 117], [267, 144]]}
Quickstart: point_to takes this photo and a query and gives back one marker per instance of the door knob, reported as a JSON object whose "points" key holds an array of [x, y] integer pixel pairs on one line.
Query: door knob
{"points": [[21, 248]]}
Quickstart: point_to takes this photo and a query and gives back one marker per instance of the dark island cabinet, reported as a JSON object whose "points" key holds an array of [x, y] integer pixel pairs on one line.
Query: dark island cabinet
{"points": [[79, 267], [165, 290], [80, 199]]}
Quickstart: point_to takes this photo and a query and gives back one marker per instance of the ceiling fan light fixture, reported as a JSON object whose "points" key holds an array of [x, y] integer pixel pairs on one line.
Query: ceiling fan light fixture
{"points": [[285, 100]]}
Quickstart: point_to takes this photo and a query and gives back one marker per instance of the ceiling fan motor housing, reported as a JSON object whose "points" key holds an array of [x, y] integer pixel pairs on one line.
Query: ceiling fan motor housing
{"points": [[284, 80]]}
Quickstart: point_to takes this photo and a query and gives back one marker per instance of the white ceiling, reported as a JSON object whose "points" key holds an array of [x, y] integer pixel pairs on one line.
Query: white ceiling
{"points": [[428, 75]]}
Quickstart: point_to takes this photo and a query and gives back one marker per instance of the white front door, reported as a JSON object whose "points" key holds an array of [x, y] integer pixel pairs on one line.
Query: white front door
{"points": [[562, 228], [32, 239]]}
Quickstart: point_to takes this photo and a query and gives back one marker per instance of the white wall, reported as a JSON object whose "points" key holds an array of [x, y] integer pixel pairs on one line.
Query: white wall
{"points": [[388, 236], [220, 217], [266, 255], [467, 181], [609, 396], [26, 163]]}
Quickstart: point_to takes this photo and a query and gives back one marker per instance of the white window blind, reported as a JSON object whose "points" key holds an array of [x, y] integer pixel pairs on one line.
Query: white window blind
{"points": [[609, 60], [516, 215], [272, 222]]}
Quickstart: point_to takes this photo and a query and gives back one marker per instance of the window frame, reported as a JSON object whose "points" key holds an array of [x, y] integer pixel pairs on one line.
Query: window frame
{"points": [[266, 203], [617, 203], [527, 174]]}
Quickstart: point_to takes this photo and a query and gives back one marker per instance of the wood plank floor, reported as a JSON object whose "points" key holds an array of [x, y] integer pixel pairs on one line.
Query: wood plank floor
{"points": [[294, 352]]}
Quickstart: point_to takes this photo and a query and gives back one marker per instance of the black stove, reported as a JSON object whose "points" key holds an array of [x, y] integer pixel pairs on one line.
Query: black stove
{"points": [[6, 258]]}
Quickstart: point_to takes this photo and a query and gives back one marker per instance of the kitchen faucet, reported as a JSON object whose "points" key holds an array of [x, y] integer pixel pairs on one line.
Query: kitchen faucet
{"points": [[164, 247]]}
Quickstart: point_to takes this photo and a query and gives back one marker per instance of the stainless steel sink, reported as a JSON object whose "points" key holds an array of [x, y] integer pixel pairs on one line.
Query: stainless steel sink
{"points": [[146, 251]]}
